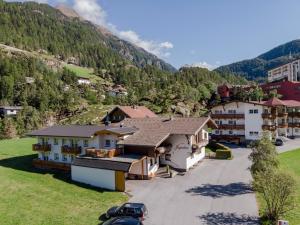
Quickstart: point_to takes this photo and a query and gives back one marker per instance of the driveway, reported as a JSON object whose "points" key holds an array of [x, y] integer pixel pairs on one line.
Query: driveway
{"points": [[289, 145], [215, 192]]}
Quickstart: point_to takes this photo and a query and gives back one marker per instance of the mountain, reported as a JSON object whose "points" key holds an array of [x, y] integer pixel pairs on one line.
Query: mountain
{"points": [[257, 68], [62, 32]]}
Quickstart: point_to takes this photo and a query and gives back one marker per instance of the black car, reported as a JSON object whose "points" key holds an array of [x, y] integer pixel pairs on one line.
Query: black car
{"points": [[278, 142], [136, 210], [126, 220]]}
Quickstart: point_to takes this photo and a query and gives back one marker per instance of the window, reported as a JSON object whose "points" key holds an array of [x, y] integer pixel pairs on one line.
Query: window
{"points": [[217, 131], [231, 122], [55, 141], [230, 132], [56, 156], [250, 111], [63, 141], [221, 132], [218, 112], [64, 158], [255, 111], [107, 143], [232, 111], [85, 143]]}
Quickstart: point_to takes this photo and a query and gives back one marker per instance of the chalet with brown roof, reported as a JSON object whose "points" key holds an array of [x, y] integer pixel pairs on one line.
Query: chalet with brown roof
{"points": [[105, 156], [120, 113]]}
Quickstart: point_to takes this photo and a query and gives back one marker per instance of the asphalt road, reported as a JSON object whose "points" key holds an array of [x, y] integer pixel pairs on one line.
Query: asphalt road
{"points": [[215, 192], [289, 145]]}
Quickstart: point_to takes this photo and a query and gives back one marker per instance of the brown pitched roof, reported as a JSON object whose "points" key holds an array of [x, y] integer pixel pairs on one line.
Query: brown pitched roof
{"points": [[80, 131], [153, 131], [135, 111]]}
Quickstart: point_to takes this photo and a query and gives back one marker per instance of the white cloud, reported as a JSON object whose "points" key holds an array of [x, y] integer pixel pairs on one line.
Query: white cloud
{"points": [[203, 65], [91, 10]]}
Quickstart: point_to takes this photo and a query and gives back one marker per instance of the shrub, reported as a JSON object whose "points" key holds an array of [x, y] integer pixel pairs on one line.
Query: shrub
{"points": [[215, 146], [223, 154]]}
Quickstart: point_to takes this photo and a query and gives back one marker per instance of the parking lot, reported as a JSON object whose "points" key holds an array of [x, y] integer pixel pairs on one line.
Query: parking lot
{"points": [[214, 192]]}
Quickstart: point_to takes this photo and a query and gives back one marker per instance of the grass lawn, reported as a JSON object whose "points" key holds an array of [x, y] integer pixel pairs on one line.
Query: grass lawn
{"points": [[289, 161], [80, 71], [31, 196]]}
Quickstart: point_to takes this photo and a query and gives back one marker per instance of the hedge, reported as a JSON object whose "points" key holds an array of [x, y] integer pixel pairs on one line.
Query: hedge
{"points": [[215, 146], [223, 154]]}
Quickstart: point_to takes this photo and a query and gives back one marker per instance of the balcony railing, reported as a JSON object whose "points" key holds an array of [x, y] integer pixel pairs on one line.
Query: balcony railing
{"points": [[102, 153], [294, 125], [228, 137], [232, 126], [75, 150], [283, 125], [270, 116], [294, 114], [227, 116], [282, 114], [269, 127], [41, 147], [43, 164]]}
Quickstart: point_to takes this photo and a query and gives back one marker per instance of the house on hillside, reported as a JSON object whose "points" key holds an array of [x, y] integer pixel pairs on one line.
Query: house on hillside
{"points": [[105, 156], [83, 81], [9, 110], [119, 113], [243, 122], [117, 90]]}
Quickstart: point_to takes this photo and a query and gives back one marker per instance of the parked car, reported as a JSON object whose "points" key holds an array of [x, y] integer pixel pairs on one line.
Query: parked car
{"points": [[278, 142], [136, 210], [127, 220]]}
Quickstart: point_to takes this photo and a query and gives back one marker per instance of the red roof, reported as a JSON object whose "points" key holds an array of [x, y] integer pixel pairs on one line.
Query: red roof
{"points": [[137, 111], [274, 102]]}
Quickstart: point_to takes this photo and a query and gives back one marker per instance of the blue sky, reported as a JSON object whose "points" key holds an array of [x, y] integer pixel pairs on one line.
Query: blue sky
{"points": [[212, 32]]}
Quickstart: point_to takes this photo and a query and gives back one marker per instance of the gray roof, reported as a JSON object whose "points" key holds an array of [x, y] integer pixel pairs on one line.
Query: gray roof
{"points": [[121, 163], [80, 131]]}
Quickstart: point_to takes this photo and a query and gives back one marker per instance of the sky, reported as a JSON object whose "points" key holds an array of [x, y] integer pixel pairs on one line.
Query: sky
{"points": [[205, 33]]}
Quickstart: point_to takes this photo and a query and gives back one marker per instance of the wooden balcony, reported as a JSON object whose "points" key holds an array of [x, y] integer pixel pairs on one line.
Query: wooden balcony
{"points": [[270, 116], [282, 114], [227, 116], [71, 150], [231, 127], [283, 125], [294, 114], [41, 147], [269, 127], [102, 153], [227, 137], [43, 164], [294, 125]]}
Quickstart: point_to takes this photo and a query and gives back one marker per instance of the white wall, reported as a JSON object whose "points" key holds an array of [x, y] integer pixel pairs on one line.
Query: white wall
{"points": [[253, 122], [95, 177], [181, 153], [195, 158]]}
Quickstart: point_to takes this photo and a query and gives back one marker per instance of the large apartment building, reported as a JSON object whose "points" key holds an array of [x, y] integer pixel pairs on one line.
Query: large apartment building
{"points": [[243, 122], [289, 71]]}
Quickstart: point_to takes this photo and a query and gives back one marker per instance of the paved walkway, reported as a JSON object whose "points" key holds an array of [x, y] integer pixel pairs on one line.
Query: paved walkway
{"points": [[215, 192]]}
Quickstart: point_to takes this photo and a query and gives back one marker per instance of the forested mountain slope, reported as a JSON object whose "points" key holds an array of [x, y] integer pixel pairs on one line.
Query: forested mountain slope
{"points": [[34, 26], [258, 67]]}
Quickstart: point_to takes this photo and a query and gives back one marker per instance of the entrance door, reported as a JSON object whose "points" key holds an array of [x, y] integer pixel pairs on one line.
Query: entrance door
{"points": [[120, 180]]}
